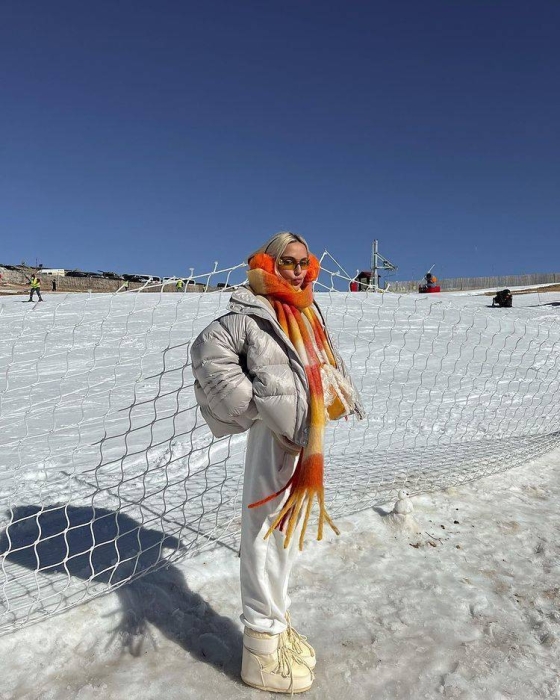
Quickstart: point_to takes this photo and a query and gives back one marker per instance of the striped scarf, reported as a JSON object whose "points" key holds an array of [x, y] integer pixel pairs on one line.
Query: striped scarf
{"points": [[297, 317]]}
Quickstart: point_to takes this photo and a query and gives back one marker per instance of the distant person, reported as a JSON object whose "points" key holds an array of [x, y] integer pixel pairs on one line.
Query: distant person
{"points": [[431, 280], [503, 299], [35, 287], [269, 367], [179, 285], [126, 285], [54, 285]]}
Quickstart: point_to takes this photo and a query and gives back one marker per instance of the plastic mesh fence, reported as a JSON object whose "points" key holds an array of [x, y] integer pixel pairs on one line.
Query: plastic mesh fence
{"points": [[108, 471]]}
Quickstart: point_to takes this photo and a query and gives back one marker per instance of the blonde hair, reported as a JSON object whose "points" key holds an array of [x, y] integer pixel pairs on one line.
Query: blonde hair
{"points": [[276, 245]]}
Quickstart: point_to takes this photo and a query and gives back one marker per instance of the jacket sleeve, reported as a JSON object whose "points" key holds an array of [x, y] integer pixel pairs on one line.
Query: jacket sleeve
{"points": [[223, 386]]}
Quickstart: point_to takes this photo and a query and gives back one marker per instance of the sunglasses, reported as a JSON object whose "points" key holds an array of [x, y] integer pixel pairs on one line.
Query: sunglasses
{"points": [[292, 263]]}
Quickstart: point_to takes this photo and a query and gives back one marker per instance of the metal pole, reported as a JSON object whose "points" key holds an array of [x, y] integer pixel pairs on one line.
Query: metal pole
{"points": [[374, 267]]}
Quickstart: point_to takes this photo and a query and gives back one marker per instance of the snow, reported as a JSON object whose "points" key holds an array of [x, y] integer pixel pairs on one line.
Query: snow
{"points": [[456, 597]]}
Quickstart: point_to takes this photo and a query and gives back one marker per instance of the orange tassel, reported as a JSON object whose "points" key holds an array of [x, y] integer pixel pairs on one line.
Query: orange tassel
{"points": [[305, 485]]}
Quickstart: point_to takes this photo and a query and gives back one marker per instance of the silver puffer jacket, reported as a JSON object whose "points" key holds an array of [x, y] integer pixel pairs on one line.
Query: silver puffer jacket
{"points": [[245, 367]]}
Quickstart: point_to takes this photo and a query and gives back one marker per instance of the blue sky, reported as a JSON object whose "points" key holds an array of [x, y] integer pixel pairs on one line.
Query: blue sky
{"points": [[153, 137]]}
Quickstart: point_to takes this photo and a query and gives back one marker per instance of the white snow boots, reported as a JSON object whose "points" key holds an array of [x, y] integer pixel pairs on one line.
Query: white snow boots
{"points": [[270, 662]]}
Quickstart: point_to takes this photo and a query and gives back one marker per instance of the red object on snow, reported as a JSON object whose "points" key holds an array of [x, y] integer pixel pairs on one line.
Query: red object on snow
{"points": [[424, 289], [353, 286]]}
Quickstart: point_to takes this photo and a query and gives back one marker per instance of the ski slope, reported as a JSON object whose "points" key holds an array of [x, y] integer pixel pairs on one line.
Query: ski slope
{"points": [[97, 412]]}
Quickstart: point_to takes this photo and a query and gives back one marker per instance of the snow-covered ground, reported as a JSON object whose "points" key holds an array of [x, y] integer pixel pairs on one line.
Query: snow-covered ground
{"points": [[458, 599], [464, 603]]}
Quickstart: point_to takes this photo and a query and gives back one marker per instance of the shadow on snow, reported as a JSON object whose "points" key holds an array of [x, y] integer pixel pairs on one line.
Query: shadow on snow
{"points": [[105, 546]]}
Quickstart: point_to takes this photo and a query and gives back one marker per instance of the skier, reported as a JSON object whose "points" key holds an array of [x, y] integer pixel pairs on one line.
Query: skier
{"points": [[35, 287], [270, 367], [179, 285]]}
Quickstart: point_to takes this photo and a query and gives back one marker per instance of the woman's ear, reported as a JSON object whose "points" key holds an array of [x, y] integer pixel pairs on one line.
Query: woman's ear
{"points": [[313, 270]]}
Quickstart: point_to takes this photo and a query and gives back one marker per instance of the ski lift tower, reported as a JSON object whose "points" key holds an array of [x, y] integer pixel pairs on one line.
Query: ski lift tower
{"points": [[378, 262]]}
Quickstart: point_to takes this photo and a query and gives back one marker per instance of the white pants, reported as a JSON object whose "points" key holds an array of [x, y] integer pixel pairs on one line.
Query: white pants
{"points": [[265, 564]]}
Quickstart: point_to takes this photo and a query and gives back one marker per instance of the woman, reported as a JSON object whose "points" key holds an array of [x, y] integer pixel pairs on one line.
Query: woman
{"points": [[268, 366]]}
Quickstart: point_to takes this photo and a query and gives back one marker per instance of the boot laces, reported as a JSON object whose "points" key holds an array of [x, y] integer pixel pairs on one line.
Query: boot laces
{"points": [[286, 659], [297, 641]]}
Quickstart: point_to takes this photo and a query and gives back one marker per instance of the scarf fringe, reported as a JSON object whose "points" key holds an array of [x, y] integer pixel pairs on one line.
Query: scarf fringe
{"points": [[305, 484]]}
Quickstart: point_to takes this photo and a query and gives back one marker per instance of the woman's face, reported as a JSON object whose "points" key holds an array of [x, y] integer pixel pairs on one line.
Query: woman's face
{"points": [[293, 252]]}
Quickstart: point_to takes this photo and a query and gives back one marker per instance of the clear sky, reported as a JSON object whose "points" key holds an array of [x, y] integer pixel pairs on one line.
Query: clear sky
{"points": [[153, 137]]}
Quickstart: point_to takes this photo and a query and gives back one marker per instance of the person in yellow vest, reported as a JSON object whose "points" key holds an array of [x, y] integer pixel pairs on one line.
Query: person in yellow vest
{"points": [[179, 285], [35, 287]]}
